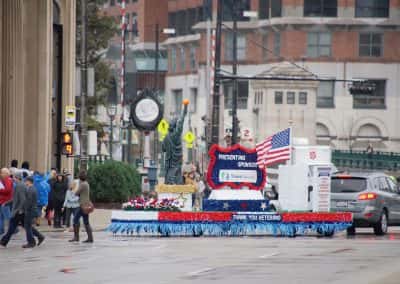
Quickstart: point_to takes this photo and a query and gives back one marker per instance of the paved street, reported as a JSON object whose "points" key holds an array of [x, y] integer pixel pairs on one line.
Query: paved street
{"points": [[363, 259]]}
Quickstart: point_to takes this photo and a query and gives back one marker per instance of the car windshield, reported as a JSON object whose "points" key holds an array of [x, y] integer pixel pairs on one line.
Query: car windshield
{"points": [[348, 184]]}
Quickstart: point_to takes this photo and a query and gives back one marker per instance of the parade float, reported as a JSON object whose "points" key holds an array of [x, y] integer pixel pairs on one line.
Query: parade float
{"points": [[236, 206]]}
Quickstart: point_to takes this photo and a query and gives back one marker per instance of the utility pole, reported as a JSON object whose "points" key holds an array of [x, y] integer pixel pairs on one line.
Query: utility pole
{"points": [[216, 90], [84, 134], [156, 89], [234, 71]]}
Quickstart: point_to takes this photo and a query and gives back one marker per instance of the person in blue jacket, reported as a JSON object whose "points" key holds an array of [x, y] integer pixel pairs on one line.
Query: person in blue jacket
{"points": [[43, 189]]}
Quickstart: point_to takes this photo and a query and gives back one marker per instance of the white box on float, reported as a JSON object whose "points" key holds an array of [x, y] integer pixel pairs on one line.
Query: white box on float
{"points": [[293, 187], [311, 155]]}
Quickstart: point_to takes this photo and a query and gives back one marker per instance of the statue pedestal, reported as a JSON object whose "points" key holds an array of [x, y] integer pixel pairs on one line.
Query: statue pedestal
{"points": [[182, 193]]}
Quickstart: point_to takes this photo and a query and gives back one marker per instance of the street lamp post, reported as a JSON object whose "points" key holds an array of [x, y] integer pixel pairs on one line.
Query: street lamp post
{"points": [[234, 71], [111, 112]]}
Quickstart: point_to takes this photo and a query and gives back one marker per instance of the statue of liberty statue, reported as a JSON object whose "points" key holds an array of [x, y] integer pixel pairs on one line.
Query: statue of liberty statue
{"points": [[172, 146]]}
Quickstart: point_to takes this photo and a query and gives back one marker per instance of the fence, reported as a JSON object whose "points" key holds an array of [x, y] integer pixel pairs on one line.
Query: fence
{"points": [[388, 161]]}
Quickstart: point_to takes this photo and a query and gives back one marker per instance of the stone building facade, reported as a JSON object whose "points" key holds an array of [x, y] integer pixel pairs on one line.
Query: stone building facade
{"points": [[37, 79]]}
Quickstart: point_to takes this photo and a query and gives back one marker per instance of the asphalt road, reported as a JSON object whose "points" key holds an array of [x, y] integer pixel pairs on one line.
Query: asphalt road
{"points": [[245, 260]]}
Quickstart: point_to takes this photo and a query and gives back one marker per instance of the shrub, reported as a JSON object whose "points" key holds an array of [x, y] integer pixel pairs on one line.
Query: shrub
{"points": [[113, 181]]}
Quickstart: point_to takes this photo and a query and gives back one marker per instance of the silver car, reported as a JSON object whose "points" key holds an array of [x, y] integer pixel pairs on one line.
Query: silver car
{"points": [[373, 198]]}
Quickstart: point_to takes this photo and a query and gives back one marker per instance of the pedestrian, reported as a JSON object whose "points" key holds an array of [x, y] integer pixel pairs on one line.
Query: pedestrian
{"points": [[6, 195], [86, 207], [50, 207], [71, 204], [30, 213], [13, 167], [59, 190], [25, 169], [370, 150], [200, 192], [43, 189], [17, 213]]}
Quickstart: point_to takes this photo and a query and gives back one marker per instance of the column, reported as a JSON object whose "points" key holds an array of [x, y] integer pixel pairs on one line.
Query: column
{"points": [[12, 113]]}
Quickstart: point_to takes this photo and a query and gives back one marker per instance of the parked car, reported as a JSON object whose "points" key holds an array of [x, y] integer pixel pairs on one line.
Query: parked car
{"points": [[373, 198]]}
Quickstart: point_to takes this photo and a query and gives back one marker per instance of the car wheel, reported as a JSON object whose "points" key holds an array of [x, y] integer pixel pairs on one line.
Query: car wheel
{"points": [[381, 227], [351, 231]]}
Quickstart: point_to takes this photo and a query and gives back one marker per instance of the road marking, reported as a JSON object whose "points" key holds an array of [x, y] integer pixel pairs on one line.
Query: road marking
{"points": [[269, 255], [201, 271]]}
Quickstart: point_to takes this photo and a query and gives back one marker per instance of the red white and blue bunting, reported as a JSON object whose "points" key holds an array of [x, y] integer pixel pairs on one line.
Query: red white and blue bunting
{"points": [[226, 223]]}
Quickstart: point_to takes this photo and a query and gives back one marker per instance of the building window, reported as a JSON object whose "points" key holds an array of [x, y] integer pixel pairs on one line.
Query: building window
{"points": [[193, 100], [375, 100], [193, 62], [173, 60], [241, 46], [263, 9], [278, 98], [302, 98], [242, 95], [371, 44], [320, 8], [319, 44], [325, 95], [265, 46], [177, 101], [242, 5], [372, 8], [182, 58], [276, 8], [258, 98], [290, 98], [277, 44], [112, 2], [134, 24]]}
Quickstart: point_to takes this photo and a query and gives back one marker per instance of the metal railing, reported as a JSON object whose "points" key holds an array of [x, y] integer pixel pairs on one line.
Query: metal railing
{"points": [[387, 161], [92, 160]]}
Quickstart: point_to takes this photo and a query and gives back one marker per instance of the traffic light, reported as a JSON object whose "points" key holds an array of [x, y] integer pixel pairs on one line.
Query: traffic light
{"points": [[66, 144]]}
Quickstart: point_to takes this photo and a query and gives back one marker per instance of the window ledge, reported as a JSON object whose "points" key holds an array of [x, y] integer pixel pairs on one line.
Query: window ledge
{"points": [[370, 107]]}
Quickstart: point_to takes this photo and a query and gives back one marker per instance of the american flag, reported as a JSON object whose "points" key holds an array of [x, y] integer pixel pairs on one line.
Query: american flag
{"points": [[274, 149]]}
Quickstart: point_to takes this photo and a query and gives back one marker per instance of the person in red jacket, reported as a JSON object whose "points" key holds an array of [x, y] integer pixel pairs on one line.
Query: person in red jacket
{"points": [[6, 195]]}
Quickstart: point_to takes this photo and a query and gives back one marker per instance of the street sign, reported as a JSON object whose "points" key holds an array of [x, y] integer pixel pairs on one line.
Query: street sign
{"points": [[163, 128], [189, 137], [189, 145], [70, 117]]}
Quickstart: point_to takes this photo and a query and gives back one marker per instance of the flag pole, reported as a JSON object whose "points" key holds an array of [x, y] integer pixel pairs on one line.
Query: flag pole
{"points": [[290, 162]]}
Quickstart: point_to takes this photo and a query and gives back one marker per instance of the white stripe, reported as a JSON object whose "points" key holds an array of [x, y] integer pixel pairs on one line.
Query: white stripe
{"points": [[134, 215], [269, 161]]}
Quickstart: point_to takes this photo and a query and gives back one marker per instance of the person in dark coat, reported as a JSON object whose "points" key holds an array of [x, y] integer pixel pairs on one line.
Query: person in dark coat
{"points": [[60, 187], [17, 213], [50, 207], [30, 213]]}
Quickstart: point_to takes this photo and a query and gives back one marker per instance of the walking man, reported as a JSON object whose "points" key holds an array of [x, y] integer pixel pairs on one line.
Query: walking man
{"points": [[6, 194], [17, 213], [30, 210]]}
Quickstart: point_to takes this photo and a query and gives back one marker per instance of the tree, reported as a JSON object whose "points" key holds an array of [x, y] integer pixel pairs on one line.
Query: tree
{"points": [[100, 30]]}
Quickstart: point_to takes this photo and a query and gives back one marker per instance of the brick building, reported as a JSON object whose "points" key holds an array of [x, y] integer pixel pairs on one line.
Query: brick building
{"points": [[337, 39]]}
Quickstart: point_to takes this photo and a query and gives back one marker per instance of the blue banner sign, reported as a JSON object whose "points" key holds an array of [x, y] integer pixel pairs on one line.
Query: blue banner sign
{"points": [[235, 167], [261, 217], [236, 205]]}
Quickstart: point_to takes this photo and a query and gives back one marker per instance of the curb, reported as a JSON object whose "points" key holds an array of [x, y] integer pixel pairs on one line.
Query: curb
{"points": [[51, 230]]}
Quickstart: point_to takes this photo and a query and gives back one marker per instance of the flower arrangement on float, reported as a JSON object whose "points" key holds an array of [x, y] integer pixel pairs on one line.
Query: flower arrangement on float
{"points": [[152, 204]]}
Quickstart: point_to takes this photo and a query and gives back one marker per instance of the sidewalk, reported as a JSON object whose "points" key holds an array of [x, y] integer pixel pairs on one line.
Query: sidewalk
{"points": [[99, 220]]}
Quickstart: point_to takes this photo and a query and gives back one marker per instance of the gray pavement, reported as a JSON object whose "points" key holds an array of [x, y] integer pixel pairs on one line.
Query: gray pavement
{"points": [[363, 259]]}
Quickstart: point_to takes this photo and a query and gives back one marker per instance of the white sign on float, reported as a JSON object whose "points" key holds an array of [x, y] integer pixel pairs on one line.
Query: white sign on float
{"points": [[322, 188], [238, 176]]}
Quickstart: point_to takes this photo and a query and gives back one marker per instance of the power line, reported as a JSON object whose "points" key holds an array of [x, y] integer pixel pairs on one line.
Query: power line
{"points": [[271, 52]]}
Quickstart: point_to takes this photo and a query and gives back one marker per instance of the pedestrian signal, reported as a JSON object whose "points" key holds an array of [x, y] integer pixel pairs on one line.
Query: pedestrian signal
{"points": [[66, 144]]}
